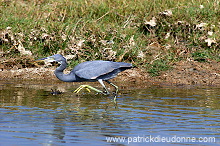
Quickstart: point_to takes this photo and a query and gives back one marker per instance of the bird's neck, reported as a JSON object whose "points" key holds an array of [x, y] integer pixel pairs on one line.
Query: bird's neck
{"points": [[64, 77]]}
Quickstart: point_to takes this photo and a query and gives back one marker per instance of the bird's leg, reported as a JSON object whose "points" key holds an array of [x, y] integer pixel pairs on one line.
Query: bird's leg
{"points": [[103, 85], [116, 88], [87, 88]]}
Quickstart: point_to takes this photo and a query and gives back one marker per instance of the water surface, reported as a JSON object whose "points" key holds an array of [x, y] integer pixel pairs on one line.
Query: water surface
{"points": [[30, 115]]}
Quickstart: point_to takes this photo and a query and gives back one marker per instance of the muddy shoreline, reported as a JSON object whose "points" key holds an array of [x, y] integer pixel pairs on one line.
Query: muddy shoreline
{"points": [[182, 73]]}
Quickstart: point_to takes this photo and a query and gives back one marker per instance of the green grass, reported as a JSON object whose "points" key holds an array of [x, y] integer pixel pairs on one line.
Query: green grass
{"points": [[46, 27], [157, 66]]}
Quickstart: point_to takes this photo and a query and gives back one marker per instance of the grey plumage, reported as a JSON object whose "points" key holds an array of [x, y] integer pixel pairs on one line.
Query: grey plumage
{"points": [[89, 71], [105, 70]]}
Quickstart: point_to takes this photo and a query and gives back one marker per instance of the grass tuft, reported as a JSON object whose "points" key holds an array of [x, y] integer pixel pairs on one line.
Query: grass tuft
{"points": [[151, 34]]}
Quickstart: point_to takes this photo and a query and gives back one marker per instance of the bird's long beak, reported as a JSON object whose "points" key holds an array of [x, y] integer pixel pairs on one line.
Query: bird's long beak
{"points": [[46, 59]]}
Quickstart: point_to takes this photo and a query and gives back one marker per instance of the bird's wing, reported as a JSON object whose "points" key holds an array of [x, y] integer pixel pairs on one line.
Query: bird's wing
{"points": [[93, 69]]}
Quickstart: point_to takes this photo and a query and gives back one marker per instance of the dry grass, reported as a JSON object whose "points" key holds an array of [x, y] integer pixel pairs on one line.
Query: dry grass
{"points": [[153, 34]]}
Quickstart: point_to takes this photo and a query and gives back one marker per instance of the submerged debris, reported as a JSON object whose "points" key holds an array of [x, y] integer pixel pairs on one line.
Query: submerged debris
{"points": [[55, 92]]}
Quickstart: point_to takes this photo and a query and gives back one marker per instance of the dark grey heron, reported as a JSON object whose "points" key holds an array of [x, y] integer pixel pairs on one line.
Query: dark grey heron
{"points": [[89, 71]]}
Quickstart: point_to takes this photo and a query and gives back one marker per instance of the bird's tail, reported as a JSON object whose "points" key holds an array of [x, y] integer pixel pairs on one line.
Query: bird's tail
{"points": [[125, 65]]}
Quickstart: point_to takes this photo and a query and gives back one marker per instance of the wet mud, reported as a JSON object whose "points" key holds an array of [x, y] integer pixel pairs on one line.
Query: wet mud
{"points": [[182, 73]]}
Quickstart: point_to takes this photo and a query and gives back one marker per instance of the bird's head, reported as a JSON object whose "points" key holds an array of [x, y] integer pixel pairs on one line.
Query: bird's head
{"points": [[55, 58]]}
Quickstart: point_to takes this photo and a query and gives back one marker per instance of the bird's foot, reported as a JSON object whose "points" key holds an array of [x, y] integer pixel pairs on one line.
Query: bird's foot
{"points": [[88, 88], [81, 87], [105, 93], [115, 95]]}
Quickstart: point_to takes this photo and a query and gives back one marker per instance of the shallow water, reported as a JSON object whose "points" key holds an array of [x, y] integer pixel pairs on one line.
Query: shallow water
{"points": [[30, 115]]}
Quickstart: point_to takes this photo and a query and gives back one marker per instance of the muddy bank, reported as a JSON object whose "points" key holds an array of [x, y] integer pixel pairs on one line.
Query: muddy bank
{"points": [[182, 73], [192, 73]]}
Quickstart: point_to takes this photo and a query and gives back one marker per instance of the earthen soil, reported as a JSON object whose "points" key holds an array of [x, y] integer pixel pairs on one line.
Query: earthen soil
{"points": [[182, 73]]}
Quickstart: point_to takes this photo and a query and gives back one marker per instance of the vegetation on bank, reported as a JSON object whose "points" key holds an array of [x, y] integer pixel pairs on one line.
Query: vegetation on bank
{"points": [[153, 34]]}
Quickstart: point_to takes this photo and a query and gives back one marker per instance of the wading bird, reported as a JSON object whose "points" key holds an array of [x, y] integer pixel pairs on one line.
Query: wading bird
{"points": [[89, 71]]}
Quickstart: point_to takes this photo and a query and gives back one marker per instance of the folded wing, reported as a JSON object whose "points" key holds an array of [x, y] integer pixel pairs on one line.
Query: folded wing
{"points": [[91, 70]]}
